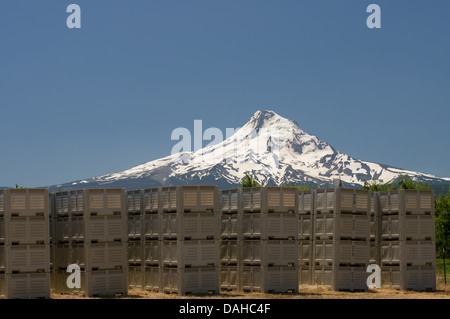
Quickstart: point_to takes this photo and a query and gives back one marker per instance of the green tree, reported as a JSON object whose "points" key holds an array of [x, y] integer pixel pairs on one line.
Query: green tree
{"points": [[442, 210], [406, 182], [249, 181], [303, 187], [376, 186]]}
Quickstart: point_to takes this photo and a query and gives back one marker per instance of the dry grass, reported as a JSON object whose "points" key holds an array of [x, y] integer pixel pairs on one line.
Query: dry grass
{"points": [[305, 292]]}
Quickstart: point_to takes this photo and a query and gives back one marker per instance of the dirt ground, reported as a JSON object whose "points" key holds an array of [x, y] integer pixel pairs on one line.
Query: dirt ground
{"points": [[305, 292]]}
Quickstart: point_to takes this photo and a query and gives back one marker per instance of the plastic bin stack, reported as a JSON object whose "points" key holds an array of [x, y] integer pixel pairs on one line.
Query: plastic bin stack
{"points": [[406, 236], [341, 248], [90, 231], [134, 209], [305, 236], [24, 244], [230, 236], [190, 239], [269, 239], [374, 228], [151, 240]]}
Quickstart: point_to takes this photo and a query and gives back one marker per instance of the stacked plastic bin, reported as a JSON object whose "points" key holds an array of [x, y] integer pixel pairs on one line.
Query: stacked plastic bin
{"points": [[24, 244], [230, 228], [190, 243], [407, 239], [151, 240], [341, 248], [269, 239], [305, 236], [91, 233], [134, 210], [374, 228]]}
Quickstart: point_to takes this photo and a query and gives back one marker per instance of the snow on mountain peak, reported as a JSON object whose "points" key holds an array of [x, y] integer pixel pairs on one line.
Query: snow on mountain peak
{"points": [[274, 149], [269, 119]]}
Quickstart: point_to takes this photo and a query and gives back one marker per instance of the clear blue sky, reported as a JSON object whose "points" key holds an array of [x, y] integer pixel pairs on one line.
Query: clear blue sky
{"points": [[78, 103]]}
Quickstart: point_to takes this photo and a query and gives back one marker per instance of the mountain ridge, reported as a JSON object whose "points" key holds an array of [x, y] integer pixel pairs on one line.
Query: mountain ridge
{"points": [[275, 150]]}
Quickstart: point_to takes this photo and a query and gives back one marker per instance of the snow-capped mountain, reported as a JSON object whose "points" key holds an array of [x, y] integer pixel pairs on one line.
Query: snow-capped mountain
{"points": [[272, 148]]}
